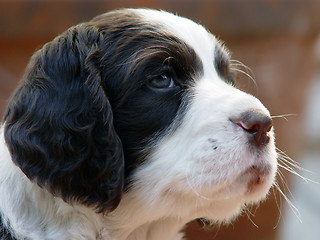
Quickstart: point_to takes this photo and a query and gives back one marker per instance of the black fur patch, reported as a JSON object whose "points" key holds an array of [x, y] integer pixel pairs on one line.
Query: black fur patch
{"points": [[222, 65], [4, 232], [85, 108], [139, 52]]}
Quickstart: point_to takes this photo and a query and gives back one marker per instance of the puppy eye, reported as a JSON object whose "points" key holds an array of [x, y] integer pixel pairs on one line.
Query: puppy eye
{"points": [[163, 81]]}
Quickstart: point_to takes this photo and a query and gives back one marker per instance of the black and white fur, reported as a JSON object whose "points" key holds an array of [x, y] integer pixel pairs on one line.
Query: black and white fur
{"points": [[127, 127]]}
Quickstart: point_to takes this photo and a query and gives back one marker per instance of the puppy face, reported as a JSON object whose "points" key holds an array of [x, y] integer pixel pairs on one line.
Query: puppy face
{"points": [[206, 156], [141, 102]]}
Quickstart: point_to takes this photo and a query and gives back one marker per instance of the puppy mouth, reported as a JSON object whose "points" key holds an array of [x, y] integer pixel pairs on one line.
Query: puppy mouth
{"points": [[255, 176]]}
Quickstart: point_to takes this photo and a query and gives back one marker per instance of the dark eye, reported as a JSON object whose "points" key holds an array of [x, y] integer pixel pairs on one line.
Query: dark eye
{"points": [[163, 81]]}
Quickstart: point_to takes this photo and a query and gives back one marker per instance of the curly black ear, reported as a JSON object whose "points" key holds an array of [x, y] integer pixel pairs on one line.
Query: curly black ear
{"points": [[59, 123]]}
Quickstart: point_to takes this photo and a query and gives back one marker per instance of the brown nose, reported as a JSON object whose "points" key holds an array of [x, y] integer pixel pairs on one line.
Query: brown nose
{"points": [[257, 124]]}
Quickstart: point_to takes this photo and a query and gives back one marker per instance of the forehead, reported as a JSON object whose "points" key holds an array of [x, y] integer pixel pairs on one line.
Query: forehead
{"points": [[139, 30], [195, 35]]}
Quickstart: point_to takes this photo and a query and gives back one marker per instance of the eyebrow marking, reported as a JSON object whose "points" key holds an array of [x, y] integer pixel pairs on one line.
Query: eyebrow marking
{"points": [[221, 62]]}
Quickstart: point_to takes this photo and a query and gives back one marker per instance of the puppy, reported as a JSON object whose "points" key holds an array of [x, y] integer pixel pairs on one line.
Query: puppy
{"points": [[128, 127]]}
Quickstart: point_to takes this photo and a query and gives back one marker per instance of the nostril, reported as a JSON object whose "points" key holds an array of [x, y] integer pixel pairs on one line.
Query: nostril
{"points": [[250, 128], [257, 123]]}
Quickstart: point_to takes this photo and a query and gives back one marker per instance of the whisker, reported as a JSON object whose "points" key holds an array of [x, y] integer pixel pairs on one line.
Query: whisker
{"points": [[244, 66], [294, 209], [284, 116], [283, 178], [290, 165], [278, 206], [285, 183], [248, 213], [236, 66], [256, 207], [246, 74], [239, 63], [289, 169], [284, 157]]}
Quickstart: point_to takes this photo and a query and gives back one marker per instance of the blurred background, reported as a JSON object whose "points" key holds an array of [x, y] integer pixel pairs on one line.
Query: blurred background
{"points": [[278, 39]]}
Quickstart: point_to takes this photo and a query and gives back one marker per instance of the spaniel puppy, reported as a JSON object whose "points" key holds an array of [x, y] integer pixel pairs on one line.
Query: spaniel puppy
{"points": [[128, 127]]}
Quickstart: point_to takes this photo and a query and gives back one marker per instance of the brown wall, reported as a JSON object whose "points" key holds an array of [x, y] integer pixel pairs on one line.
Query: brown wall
{"points": [[274, 38]]}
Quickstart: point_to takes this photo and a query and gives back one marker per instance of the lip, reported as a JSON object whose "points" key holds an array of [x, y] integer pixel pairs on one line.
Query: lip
{"points": [[256, 177]]}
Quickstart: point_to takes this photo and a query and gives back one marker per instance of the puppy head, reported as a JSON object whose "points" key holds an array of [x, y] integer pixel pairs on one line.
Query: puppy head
{"points": [[142, 98]]}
